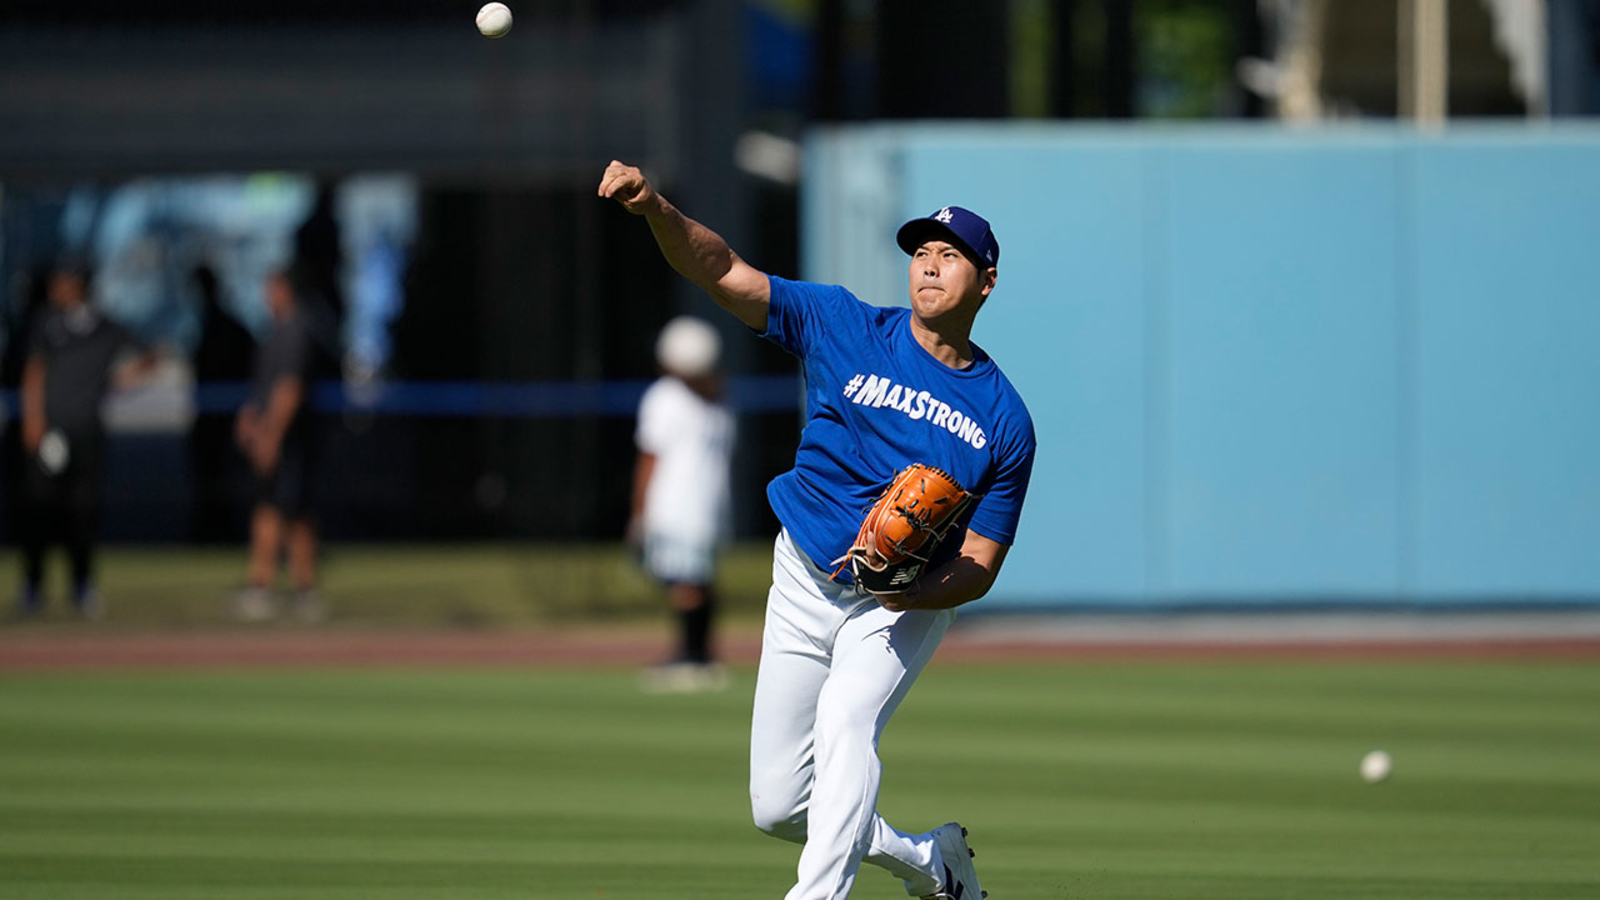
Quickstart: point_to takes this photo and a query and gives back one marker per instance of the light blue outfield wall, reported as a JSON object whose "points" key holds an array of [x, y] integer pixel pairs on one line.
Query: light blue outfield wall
{"points": [[1268, 366]]}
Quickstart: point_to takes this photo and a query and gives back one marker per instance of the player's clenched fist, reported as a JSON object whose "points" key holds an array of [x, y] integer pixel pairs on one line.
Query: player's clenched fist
{"points": [[628, 186]]}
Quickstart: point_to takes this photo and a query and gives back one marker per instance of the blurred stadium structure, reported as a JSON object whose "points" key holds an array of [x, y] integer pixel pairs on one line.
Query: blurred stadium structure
{"points": [[1332, 357]]}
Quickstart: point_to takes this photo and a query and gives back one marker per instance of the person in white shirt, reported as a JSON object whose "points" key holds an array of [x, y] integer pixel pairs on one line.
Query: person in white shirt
{"points": [[680, 494]]}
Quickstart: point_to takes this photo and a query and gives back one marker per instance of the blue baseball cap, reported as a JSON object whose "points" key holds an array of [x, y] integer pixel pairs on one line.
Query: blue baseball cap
{"points": [[962, 227]]}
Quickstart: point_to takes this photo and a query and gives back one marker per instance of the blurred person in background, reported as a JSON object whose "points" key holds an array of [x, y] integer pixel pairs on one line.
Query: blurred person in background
{"points": [[218, 475], [680, 495], [276, 432], [75, 355]]}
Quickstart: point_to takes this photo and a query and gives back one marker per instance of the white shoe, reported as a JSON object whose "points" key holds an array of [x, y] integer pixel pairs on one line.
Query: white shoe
{"points": [[960, 876], [254, 604], [308, 606], [91, 604], [683, 678]]}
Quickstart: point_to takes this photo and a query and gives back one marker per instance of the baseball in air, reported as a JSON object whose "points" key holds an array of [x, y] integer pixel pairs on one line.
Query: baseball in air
{"points": [[1376, 766], [494, 20]]}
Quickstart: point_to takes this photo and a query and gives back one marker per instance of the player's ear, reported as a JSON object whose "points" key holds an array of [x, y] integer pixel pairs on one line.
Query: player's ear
{"points": [[988, 278]]}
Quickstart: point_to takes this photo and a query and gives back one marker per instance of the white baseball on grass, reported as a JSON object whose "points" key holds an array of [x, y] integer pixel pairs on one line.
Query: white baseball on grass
{"points": [[1376, 766], [494, 20]]}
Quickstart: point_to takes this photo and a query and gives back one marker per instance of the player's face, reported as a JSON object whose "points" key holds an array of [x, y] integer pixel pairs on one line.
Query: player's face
{"points": [[944, 280], [67, 290], [280, 297]]}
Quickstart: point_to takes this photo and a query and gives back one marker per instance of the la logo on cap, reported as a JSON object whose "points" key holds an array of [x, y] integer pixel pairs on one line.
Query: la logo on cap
{"points": [[944, 215]]}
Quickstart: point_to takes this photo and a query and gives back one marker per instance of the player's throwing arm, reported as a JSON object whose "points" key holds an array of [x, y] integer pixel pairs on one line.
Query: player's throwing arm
{"points": [[695, 251]]}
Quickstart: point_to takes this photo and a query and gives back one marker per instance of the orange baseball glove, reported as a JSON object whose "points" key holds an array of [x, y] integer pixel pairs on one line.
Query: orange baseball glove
{"points": [[903, 528]]}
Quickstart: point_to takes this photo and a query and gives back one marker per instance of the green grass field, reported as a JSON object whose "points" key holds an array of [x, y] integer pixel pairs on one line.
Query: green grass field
{"points": [[406, 585], [1225, 780]]}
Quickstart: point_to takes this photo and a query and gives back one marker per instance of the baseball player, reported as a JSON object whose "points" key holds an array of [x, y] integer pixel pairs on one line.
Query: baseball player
{"points": [[76, 356], [680, 495], [886, 387]]}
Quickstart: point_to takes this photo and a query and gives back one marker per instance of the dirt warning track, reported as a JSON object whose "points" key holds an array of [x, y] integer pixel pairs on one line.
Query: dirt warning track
{"points": [[27, 649]]}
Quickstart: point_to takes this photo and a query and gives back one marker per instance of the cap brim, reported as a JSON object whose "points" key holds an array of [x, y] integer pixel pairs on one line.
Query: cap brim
{"points": [[917, 232]]}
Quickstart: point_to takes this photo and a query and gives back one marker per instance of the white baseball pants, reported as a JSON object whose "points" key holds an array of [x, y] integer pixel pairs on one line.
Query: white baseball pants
{"points": [[834, 667]]}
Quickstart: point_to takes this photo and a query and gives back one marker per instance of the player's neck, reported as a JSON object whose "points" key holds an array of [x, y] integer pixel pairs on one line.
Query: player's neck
{"points": [[706, 387], [946, 342]]}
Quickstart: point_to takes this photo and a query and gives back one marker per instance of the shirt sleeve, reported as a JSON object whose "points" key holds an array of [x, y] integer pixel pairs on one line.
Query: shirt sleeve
{"points": [[297, 355], [797, 309], [125, 340], [652, 434], [997, 513]]}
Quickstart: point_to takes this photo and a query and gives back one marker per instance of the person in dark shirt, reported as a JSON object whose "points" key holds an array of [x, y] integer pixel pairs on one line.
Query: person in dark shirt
{"points": [[276, 431], [75, 356]]}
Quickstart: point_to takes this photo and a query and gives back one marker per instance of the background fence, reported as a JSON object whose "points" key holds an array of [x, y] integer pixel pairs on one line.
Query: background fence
{"points": [[1355, 364]]}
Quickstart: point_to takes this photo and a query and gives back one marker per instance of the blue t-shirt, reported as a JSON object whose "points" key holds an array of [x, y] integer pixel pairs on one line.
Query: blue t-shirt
{"points": [[876, 402]]}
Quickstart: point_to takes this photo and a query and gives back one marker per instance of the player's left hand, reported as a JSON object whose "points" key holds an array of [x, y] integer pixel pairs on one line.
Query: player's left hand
{"points": [[898, 602], [264, 454]]}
